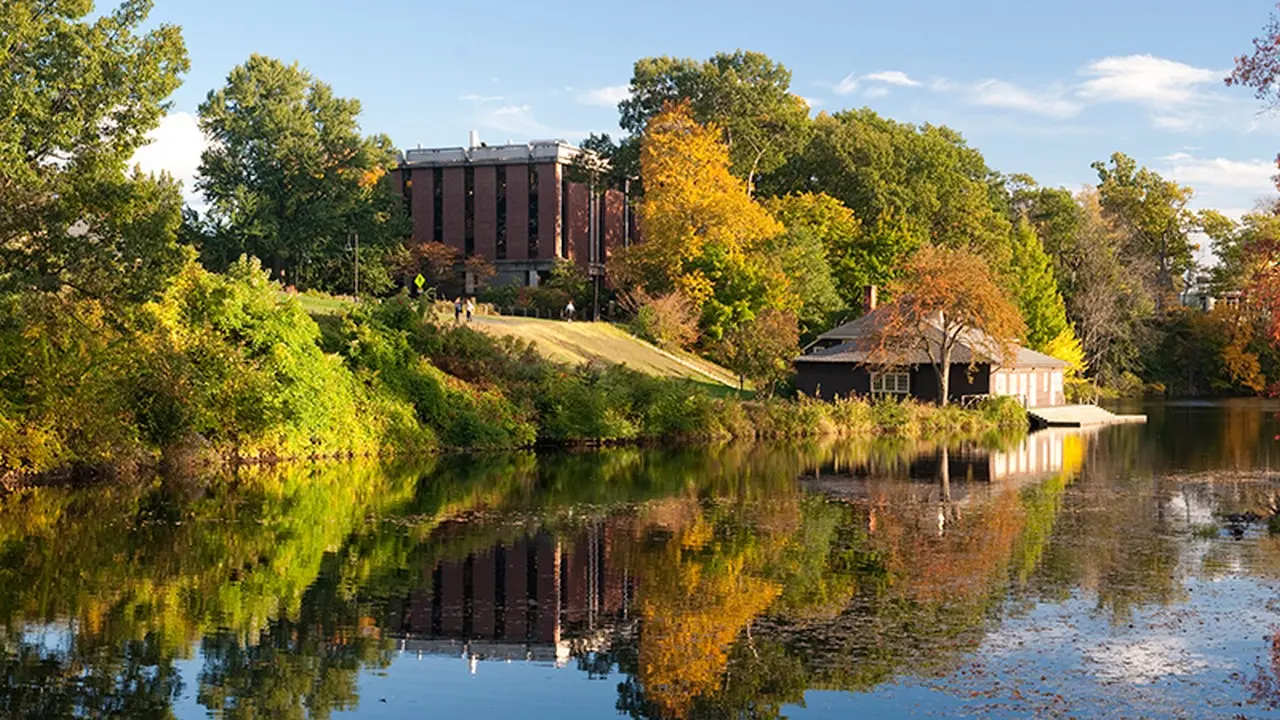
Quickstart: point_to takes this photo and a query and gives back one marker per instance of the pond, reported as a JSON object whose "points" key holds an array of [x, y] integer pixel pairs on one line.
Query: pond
{"points": [[1116, 573]]}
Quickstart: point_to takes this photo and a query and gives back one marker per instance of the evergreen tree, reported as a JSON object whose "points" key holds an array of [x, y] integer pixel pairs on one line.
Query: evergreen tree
{"points": [[1036, 290]]}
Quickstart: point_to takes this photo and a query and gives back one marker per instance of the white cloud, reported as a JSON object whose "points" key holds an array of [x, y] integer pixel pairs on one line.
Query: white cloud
{"points": [[608, 96], [520, 121], [1145, 79], [893, 77], [476, 97], [875, 92], [847, 85], [998, 93], [175, 146], [1252, 176]]}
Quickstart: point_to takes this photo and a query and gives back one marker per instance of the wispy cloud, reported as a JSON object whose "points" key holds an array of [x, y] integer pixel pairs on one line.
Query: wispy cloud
{"points": [[1145, 79], [476, 97], [893, 77], [876, 91], [1221, 173], [853, 81], [521, 122], [608, 96], [847, 85], [998, 93]]}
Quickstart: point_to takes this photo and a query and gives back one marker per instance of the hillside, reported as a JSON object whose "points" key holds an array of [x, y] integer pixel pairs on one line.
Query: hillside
{"points": [[580, 342], [575, 343]]}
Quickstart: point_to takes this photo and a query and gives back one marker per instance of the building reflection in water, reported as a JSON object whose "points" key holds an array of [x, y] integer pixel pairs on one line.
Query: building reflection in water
{"points": [[540, 597]]}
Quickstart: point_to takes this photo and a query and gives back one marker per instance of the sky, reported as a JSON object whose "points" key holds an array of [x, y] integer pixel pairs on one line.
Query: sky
{"points": [[1040, 88]]}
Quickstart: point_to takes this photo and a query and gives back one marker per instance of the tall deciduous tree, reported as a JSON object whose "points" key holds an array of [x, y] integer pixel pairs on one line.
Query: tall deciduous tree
{"points": [[921, 183], [291, 179], [702, 232], [77, 98], [1260, 70], [745, 94], [945, 296], [1152, 214]]}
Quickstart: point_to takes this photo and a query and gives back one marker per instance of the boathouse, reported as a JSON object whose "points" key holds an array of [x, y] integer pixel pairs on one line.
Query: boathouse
{"points": [[846, 362]]}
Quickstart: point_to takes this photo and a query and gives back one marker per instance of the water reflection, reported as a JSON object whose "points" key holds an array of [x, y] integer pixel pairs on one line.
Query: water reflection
{"points": [[733, 581]]}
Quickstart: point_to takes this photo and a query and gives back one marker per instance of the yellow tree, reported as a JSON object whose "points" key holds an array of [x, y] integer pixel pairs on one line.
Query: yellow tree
{"points": [[698, 223], [947, 297]]}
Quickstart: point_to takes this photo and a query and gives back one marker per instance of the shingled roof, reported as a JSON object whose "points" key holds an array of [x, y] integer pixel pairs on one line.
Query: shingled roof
{"points": [[855, 342]]}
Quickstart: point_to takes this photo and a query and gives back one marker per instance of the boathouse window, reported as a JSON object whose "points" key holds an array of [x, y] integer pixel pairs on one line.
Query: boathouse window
{"points": [[891, 383]]}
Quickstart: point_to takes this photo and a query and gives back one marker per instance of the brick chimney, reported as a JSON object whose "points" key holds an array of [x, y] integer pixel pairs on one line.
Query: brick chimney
{"points": [[869, 298]]}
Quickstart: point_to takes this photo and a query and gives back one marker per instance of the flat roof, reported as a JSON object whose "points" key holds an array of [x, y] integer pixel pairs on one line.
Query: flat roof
{"points": [[536, 151]]}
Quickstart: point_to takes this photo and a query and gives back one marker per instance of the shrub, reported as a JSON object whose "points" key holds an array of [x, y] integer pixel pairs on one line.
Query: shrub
{"points": [[669, 321]]}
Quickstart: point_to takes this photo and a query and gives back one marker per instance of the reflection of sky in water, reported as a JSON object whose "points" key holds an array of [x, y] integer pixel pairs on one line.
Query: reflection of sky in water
{"points": [[1068, 659]]}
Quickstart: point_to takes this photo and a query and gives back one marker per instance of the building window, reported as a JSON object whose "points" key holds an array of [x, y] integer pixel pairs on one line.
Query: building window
{"points": [[533, 211], [406, 190], [469, 227], [502, 212], [890, 383], [437, 204]]}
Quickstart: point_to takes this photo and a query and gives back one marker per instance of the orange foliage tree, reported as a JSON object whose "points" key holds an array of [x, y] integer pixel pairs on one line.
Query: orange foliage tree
{"points": [[945, 297], [701, 230]]}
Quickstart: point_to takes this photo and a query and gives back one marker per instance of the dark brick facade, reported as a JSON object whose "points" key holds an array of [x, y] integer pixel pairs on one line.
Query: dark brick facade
{"points": [[485, 203]]}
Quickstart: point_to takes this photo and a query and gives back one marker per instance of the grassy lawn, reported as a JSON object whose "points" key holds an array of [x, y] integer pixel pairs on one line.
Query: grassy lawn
{"points": [[322, 305], [580, 342]]}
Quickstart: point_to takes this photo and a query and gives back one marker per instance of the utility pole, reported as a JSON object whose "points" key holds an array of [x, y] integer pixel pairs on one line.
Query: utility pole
{"points": [[357, 265]]}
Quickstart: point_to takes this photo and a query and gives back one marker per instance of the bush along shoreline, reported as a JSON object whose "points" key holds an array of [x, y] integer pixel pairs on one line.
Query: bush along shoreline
{"points": [[223, 368]]}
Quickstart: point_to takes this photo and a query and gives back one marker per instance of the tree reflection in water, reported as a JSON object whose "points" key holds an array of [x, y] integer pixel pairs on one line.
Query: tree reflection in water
{"points": [[712, 582]]}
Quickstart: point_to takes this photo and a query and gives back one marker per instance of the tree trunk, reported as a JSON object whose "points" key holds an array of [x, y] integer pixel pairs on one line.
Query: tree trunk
{"points": [[944, 378]]}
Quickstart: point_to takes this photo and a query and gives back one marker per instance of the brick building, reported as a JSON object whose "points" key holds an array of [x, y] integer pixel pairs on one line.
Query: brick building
{"points": [[515, 206]]}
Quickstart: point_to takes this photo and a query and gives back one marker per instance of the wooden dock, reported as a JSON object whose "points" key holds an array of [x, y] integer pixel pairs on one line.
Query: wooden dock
{"points": [[1078, 416]]}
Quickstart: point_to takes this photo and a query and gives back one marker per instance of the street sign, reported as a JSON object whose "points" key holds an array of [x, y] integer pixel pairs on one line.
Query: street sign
{"points": [[419, 281]]}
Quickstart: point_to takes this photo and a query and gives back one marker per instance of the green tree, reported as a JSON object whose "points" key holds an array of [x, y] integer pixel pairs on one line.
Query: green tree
{"points": [[291, 180], [801, 256], [746, 94], [854, 257], [1036, 289], [924, 183], [1152, 214], [762, 349], [77, 97]]}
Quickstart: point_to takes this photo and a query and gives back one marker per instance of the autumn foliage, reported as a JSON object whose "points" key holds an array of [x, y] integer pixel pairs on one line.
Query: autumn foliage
{"points": [[947, 296]]}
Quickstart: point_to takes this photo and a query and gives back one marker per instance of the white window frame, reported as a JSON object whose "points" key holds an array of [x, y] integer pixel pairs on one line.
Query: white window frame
{"points": [[891, 382]]}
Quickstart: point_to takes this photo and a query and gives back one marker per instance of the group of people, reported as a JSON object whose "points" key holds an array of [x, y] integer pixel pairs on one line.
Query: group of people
{"points": [[468, 306], [460, 306]]}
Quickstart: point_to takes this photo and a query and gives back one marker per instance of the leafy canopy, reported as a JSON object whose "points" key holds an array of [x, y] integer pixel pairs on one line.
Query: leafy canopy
{"points": [[77, 98], [745, 94], [291, 180], [702, 232]]}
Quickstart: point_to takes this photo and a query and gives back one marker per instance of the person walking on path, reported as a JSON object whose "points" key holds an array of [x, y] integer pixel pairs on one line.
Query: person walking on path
{"points": [[457, 309], [569, 311], [471, 308]]}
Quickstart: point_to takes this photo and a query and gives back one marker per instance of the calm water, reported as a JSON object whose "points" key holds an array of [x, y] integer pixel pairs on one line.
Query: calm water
{"points": [[1076, 575]]}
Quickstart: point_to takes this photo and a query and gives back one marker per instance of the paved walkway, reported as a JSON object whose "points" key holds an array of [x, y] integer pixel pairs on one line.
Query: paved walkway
{"points": [[1079, 416]]}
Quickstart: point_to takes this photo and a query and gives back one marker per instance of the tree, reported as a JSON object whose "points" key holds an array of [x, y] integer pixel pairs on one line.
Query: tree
{"points": [[850, 255], [947, 296], [1260, 70], [924, 183], [290, 179], [1152, 214], [762, 350], [744, 94], [78, 97], [1039, 301], [702, 232]]}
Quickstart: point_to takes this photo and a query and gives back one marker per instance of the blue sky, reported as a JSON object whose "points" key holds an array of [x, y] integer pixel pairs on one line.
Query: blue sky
{"points": [[1042, 88]]}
